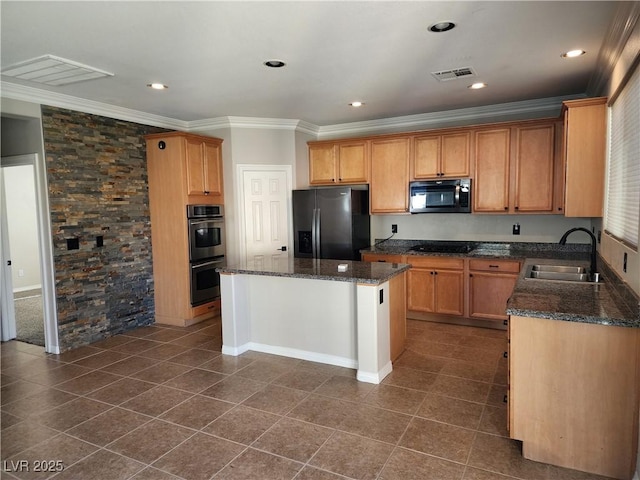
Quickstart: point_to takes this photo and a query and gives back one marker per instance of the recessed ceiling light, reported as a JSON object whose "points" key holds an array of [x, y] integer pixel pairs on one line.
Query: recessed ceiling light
{"points": [[476, 86], [573, 53], [356, 104], [274, 63], [440, 27], [157, 86]]}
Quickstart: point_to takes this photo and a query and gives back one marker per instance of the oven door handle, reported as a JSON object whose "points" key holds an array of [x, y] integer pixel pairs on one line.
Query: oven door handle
{"points": [[206, 264], [200, 222]]}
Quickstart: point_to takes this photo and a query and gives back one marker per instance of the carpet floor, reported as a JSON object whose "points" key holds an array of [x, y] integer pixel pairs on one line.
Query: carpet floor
{"points": [[29, 318]]}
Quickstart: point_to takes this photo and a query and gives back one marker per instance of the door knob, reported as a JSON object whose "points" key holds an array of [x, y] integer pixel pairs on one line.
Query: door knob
{"points": [[283, 248]]}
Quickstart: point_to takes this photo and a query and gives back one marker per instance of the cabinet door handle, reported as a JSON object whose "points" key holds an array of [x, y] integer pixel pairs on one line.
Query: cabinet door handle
{"points": [[505, 399], [506, 208], [517, 208], [505, 354], [494, 266], [505, 322]]}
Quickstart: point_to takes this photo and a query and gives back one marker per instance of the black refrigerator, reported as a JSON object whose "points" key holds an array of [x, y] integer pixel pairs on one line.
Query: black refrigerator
{"points": [[331, 222]]}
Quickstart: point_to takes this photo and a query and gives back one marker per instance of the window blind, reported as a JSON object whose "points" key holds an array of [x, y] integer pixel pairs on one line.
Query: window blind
{"points": [[623, 187]]}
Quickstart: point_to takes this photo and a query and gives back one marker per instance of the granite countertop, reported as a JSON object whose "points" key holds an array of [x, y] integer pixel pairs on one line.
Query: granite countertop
{"points": [[608, 302], [602, 303], [320, 269]]}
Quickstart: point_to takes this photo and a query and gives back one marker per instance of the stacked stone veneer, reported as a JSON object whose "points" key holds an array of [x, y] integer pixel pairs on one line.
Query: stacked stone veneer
{"points": [[97, 176]]}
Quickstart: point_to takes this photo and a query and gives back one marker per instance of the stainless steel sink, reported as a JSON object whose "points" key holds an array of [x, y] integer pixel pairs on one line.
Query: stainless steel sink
{"points": [[563, 273], [559, 268]]}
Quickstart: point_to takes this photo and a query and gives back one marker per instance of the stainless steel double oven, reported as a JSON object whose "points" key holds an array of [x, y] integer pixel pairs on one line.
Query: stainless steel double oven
{"points": [[205, 225]]}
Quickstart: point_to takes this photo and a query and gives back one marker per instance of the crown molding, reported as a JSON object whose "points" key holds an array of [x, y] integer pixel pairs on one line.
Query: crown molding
{"points": [[253, 122], [45, 97], [622, 26], [544, 107]]}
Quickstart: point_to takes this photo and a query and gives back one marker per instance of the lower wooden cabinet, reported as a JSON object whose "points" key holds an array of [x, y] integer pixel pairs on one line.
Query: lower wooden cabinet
{"points": [[491, 283], [436, 285], [379, 257], [574, 394]]}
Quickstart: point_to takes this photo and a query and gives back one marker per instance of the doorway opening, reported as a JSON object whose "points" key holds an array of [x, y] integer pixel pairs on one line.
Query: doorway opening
{"points": [[22, 226], [28, 309]]}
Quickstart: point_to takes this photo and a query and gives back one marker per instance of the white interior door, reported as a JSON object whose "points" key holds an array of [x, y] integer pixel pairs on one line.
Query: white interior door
{"points": [[267, 199], [7, 312]]}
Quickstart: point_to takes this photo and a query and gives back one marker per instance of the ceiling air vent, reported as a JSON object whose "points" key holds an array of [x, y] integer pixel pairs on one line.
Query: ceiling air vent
{"points": [[446, 75], [52, 70]]}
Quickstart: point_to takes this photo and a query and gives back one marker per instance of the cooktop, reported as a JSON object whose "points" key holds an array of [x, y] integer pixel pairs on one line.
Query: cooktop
{"points": [[442, 248]]}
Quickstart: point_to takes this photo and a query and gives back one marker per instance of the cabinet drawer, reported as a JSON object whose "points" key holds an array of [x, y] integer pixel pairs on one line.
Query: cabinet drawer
{"points": [[495, 265], [435, 262], [381, 257]]}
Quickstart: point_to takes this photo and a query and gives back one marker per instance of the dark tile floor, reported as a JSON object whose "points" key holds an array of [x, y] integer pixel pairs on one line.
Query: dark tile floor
{"points": [[163, 403]]}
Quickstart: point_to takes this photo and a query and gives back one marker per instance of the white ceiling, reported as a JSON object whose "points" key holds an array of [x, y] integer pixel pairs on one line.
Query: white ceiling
{"points": [[211, 54]]}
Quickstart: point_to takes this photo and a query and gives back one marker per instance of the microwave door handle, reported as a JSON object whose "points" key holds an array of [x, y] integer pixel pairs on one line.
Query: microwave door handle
{"points": [[457, 204], [206, 264]]}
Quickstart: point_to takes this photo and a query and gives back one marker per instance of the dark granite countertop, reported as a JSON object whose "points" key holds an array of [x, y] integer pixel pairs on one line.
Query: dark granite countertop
{"points": [[608, 302], [320, 269], [506, 250], [603, 303]]}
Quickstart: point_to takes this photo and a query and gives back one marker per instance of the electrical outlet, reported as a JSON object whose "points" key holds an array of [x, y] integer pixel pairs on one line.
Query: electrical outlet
{"points": [[21, 272], [516, 229], [394, 228]]}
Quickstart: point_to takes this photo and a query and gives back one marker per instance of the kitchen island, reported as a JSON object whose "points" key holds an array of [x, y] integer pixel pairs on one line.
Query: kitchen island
{"points": [[308, 309]]}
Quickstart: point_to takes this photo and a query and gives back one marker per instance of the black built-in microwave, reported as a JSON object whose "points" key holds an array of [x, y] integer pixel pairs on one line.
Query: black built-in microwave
{"points": [[440, 196]]}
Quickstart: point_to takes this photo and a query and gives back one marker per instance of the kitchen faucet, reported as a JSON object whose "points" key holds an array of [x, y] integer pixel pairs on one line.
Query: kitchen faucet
{"points": [[563, 241]]}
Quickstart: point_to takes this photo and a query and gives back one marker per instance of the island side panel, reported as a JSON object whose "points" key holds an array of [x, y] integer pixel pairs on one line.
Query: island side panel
{"points": [[373, 320], [303, 318], [574, 394], [236, 335]]}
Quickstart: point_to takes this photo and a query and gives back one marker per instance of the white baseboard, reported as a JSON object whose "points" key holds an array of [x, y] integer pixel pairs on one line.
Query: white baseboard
{"points": [[374, 377], [295, 353], [29, 287], [637, 475]]}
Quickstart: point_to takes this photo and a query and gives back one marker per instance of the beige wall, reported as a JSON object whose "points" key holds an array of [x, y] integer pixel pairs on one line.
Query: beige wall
{"points": [[475, 227], [249, 146]]}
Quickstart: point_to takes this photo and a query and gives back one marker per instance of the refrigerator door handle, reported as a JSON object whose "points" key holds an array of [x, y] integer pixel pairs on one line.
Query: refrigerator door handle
{"points": [[313, 234], [318, 232]]}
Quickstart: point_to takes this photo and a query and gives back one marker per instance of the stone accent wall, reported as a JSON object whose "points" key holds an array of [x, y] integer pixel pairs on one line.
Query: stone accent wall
{"points": [[97, 175]]}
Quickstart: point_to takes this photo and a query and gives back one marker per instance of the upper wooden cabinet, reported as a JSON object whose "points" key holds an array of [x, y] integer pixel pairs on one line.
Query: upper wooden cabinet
{"points": [[204, 167], [533, 186], [390, 175], [491, 182], [333, 163], [515, 168], [585, 131], [441, 156]]}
